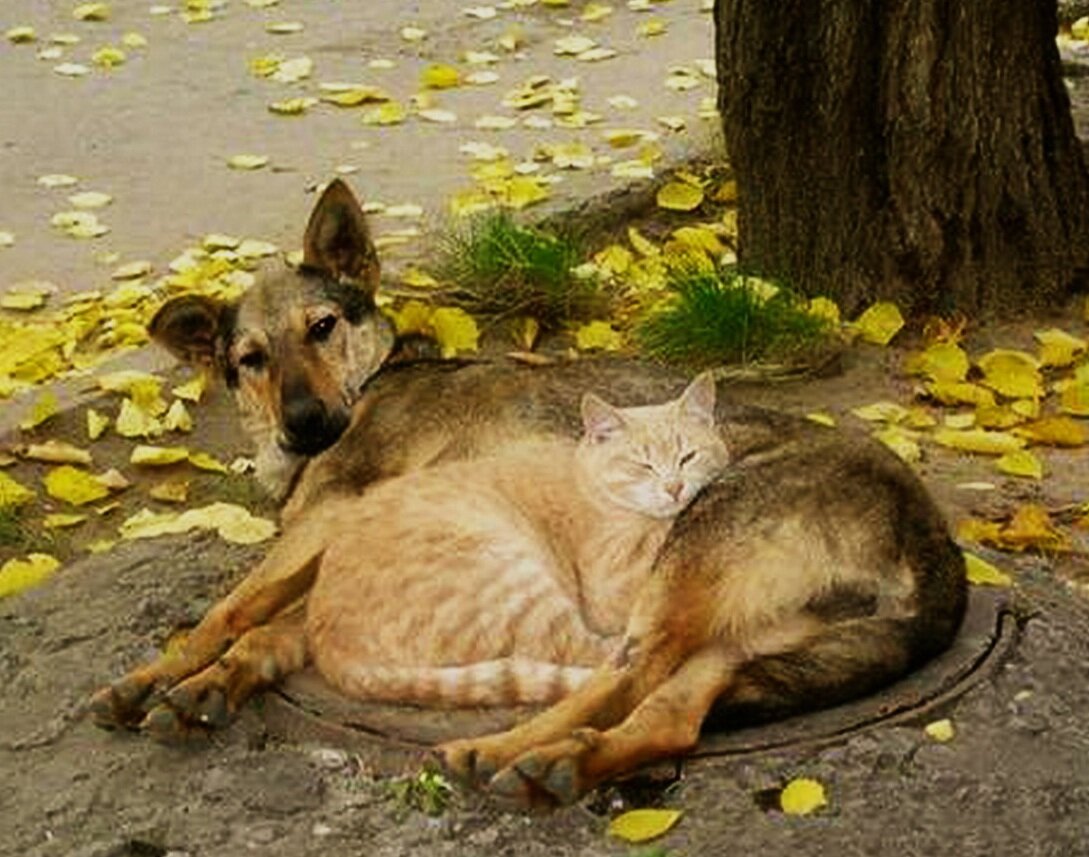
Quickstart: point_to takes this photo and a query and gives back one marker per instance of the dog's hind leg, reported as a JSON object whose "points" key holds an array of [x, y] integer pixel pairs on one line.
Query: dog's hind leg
{"points": [[607, 697], [283, 577], [210, 699]]}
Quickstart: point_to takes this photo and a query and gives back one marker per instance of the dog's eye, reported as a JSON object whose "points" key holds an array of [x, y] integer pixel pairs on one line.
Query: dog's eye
{"points": [[319, 331], [252, 360]]}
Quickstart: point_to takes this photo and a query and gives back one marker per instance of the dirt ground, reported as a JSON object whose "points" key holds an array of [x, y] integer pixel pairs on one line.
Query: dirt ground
{"points": [[1014, 780]]}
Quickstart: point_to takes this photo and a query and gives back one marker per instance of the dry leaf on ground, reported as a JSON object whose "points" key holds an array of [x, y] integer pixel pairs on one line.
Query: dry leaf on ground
{"points": [[642, 825], [802, 796]]}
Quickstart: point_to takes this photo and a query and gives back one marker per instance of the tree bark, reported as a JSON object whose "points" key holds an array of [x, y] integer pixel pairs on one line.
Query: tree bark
{"points": [[920, 151]]}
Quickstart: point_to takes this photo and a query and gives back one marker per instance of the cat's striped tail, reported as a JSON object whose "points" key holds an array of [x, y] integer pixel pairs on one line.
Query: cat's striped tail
{"points": [[504, 681]]}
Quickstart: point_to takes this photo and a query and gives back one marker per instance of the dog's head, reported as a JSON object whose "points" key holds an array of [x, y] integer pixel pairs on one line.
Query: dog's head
{"points": [[298, 346]]}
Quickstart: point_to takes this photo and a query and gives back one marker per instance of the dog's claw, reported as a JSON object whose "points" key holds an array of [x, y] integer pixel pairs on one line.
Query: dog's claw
{"points": [[118, 705], [166, 726], [511, 786], [534, 779]]}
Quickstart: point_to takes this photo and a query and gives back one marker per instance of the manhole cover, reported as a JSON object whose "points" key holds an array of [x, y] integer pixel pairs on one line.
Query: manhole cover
{"points": [[389, 737]]}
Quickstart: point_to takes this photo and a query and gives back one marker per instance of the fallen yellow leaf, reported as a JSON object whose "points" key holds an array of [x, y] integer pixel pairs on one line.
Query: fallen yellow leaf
{"points": [[418, 279], [1012, 373], [982, 573], [943, 361], [1058, 348], [960, 393], [573, 45], [525, 331], [97, 423], [642, 825], [247, 162], [598, 335], [191, 390], [821, 418], [20, 35], [157, 456], [389, 113], [700, 238], [1074, 398], [17, 575], [885, 412], [959, 421], [997, 417], [172, 491], [455, 330], [613, 260], [61, 520], [177, 418], [91, 12], [232, 522], [74, 486], [1054, 431], [44, 408], [133, 421], [13, 493], [679, 196], [652, 27], [292, 106], [284, 28], [978, 440], [901, 441], [802, 796], [55, 452], [879, 324], [1021, 463], [641, 244], [825, 308], [440, 76], [1031, 528], [356, 96], [204, 461], [941, 731]]}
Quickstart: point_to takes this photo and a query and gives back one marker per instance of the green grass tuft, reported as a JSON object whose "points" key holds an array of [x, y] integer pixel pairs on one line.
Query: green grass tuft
{"points": [[721, 317], [19, 536], [427, 792], [502, 269]]}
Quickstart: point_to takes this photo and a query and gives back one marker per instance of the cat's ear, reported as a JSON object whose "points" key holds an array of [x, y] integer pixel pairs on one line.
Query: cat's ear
{"points": [[600, 420], [698, 399]]}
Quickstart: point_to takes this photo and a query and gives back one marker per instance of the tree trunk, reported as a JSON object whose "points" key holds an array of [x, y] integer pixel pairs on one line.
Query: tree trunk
{"points": [[920, 151]]}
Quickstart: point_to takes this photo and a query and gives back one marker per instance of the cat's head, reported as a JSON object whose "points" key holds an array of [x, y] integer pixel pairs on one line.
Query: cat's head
{"points": [[652, 459]]}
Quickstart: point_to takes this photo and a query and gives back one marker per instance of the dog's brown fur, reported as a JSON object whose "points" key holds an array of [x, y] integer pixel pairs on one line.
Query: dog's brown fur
{"points": [[815, 571]]}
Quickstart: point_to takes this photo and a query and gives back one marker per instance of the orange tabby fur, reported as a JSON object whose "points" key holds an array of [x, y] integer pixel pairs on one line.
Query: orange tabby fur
{"points": [[554, 537]]}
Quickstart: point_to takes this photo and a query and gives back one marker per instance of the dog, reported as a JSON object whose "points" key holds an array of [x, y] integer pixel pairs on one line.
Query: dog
{"points": [[815, 570]]}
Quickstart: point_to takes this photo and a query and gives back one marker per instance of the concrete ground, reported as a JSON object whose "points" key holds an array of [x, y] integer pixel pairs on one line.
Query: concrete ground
{"points": [[156, 132]]}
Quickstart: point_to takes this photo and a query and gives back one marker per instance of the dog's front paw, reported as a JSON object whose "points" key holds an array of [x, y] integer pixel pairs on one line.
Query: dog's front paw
{"points": [[553, 775]]}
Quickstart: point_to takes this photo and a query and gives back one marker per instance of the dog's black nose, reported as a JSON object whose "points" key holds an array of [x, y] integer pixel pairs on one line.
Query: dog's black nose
{"points": [[310, 428]]}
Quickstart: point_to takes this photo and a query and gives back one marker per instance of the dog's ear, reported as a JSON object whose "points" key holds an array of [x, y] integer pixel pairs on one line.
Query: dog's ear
{"points": [[189, 327], [337, 240]]}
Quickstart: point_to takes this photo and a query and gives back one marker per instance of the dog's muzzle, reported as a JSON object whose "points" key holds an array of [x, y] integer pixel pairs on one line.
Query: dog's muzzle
{"points": [[310, 428]]}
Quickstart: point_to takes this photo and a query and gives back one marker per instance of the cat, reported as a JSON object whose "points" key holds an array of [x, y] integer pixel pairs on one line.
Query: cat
{"points": [[553, 538]]}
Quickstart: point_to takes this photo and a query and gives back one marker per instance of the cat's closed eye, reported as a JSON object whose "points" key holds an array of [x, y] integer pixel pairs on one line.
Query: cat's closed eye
{"points": [[688, 458]]}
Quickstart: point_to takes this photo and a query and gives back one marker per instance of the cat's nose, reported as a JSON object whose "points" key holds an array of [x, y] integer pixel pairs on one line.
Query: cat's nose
{"points": [[674, 489]]}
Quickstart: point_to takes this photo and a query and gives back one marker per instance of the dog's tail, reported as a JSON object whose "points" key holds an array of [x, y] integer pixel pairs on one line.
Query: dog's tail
{"points": [[503, 681], [853, 657]]}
